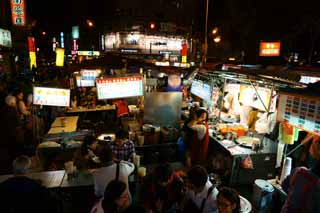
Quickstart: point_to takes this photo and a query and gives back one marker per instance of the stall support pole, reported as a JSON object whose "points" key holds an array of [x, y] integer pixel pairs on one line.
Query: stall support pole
{"points": [[222, 101], [270, 99], [264, 106]]}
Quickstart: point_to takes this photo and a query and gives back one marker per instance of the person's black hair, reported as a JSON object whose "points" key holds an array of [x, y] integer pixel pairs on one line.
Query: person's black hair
{"points": [[198, 176], [17, 92], [112, 193], [121, 134], [232, 196], [105, 155], [200, 111], [163, 172], [88, 140]]}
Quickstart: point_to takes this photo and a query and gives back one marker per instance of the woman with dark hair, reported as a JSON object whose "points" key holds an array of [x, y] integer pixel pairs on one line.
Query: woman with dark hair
{"points": [[115, 200], [85, 157], [198, 149], [228, 201]]}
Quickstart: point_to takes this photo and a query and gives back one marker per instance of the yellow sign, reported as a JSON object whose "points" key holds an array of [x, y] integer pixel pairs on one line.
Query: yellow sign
{"points": [[33, 59], [184, 59], [59, 57]]}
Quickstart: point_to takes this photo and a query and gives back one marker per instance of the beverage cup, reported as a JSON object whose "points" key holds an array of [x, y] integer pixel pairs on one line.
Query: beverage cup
{"points": [[140, 140], [142, 171], [136, 160]]}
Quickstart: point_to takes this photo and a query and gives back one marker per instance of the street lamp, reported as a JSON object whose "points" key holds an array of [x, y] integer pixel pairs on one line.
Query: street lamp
{"points": [[89, 23], [217, 39], [214, 31]]}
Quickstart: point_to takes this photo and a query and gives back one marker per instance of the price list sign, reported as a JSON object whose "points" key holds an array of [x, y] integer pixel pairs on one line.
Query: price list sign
{"points": [[302, 112], [122, 87], [89, 74]]}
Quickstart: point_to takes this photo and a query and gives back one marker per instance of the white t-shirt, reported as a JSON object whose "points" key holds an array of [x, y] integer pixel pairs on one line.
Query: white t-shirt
{"points": [[201, 130], [103, 176], [211, 202]]}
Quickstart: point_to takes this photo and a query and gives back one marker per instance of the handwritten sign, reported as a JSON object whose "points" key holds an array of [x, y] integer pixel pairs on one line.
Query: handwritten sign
{"points": [[110, 88], [51, 96], [301, 112]]}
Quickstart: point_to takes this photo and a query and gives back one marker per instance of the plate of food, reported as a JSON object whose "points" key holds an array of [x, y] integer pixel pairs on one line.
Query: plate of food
{"points": [[247, 141]]}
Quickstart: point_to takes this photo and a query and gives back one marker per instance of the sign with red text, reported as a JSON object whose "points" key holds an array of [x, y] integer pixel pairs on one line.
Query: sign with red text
{"points": [[18, 12], [121, 87]]}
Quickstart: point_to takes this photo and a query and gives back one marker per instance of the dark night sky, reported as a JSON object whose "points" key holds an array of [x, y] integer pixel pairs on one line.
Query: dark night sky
{"points": [[272, 14], [261, 20]]}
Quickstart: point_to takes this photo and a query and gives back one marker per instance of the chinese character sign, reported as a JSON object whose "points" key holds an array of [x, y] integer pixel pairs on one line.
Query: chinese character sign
{"points": [[51, 96], [18, 12], [301, 112], [269, 49], [121, 87]]}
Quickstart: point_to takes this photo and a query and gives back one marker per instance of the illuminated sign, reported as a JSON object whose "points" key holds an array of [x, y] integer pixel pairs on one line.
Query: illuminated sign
{"points": [[18, 12], [89, 53], [59, 57], [61, 40], [183, 65], [269, 49], [110, 88], [162, 63], [5, 38], [143, 42], [31, 45], [33, 59], [89, 74], [51, 96], [300, 111], [75, 32]]}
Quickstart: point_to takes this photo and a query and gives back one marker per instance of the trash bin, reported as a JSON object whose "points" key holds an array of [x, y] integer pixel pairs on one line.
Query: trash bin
{"points": [[262, 194]]}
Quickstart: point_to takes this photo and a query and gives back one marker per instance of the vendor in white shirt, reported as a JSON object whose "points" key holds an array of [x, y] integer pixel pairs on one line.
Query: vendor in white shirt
{"points": [[200, 190]]}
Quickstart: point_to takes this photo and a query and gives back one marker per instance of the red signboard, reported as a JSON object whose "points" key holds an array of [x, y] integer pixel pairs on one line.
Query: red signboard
{"points": [[31, 44], [269, 49]]}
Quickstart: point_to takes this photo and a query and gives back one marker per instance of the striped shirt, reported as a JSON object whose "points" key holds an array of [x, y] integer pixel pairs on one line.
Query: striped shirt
{"points": [[124, 152]]}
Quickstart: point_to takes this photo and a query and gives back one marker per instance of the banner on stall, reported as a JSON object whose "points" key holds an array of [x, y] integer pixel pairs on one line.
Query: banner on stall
{"points": [[300, 111]]}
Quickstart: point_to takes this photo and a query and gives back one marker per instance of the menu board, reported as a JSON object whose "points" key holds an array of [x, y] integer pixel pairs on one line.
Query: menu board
{"points": [[121, 87], [84, 83], [51, 96], [201, 89], [302, 112], [89, 74]]}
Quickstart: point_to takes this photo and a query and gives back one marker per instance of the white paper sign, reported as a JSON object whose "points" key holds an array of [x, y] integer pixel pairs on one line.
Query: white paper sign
{"points": [[121, 87], [51, 96]]}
